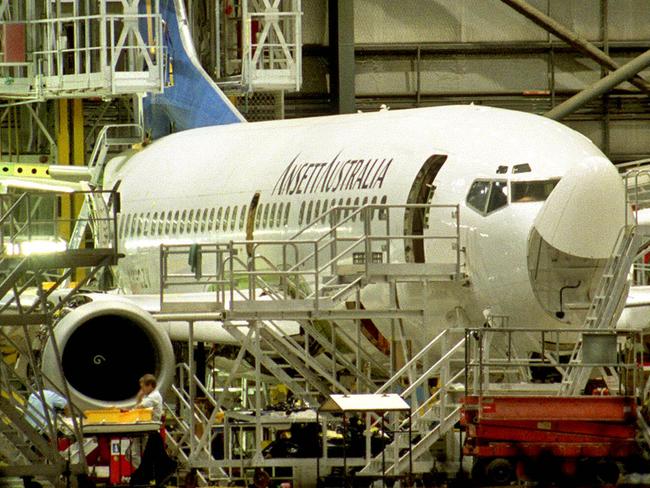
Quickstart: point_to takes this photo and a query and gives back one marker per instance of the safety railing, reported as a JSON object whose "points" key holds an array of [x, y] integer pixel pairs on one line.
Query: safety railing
{"points": [[308, 268], [112, 53], [24, 233], [496, 353]]}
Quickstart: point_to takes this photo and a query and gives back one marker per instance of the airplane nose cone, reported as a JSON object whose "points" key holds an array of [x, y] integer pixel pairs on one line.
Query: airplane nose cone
{"points": [[585, 212]]}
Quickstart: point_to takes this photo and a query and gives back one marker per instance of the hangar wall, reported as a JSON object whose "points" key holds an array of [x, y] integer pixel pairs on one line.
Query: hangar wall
{"points": [[420, 52]]}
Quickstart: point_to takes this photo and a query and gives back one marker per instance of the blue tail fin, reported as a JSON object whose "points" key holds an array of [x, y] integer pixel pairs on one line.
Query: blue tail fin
{"points": [[193, 100]]}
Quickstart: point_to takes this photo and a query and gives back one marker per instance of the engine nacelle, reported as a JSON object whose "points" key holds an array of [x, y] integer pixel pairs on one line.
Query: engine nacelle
{"points": [[105, 348]]}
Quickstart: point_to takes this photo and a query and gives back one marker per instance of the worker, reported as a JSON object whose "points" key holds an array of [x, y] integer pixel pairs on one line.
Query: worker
{"points": [[38, 402], [156, 463], [149, 397], [261, 479]]}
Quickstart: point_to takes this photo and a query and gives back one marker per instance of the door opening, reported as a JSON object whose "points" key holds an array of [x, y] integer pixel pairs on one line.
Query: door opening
{"points": [[416, 219]]}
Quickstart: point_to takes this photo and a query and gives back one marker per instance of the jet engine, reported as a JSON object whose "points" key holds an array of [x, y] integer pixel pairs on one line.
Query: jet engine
{"points": [[105, 347]]}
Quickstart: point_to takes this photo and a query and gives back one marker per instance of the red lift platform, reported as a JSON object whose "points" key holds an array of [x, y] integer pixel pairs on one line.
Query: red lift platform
{"points": [[541, 436]]}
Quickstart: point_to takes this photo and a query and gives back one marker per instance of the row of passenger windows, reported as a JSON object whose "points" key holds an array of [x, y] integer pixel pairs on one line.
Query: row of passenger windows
{"points": [[310, 211], [184, 221], [486, 196], [268, 216]]}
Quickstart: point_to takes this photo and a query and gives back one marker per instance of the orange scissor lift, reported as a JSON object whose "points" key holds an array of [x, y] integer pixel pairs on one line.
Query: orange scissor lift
{"points": [[546, 437], [530, 436]]}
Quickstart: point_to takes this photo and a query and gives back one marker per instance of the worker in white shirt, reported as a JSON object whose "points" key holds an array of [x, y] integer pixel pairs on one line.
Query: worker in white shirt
{"points": [[149, 397], [156, 465]]}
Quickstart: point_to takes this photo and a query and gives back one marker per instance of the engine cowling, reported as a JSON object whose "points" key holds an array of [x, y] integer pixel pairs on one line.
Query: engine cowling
{"points": [[105, 348]]}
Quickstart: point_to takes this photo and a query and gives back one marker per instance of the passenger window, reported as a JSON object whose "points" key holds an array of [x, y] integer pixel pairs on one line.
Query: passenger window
{"points": [[168, 222], [364, 213], [211, 220], [309, 207], [155, 224], [265, 223], [190, 221], [356, 207], [324, 219], [317, 209], [123, 224], [272, 216], [145, 224], [372, 212], [258, 216], [233, 221], [498, 196], [175, 222], [278, 216], [181, 223], [226, 216], [204, 219], [478, 194], [242, 217], [301, 215], [348, 204], [217, 219], [197, 221], [383, 212], [286, 214]]}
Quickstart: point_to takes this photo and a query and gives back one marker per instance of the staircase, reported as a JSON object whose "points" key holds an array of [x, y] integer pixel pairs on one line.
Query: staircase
{"points": [[27, 309], [608, 301], [96, 210], [433, 415]]}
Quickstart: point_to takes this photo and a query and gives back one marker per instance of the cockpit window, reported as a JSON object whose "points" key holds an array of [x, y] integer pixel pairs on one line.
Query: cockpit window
{"points": [[498, 196], [521, 168], [532, 191], [487, 196], [478, 195]]}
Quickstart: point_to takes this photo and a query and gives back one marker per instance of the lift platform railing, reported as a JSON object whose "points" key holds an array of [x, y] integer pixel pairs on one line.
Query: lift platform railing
{"points": [[494, 362], [106, 55]]}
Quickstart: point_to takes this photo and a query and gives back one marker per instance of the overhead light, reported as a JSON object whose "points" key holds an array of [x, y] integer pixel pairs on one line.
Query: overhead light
{"points": [[68, 187], [35, 246]]}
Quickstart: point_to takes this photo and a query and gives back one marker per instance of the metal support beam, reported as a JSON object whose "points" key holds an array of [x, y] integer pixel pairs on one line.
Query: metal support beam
{"points": [[341, 32], [571, 38], [601, 86]]}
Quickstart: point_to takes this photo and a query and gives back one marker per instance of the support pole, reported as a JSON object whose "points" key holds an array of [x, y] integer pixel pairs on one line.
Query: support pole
{"points": [[341, 30], [571, 38], [63, 157], [601, 86]]}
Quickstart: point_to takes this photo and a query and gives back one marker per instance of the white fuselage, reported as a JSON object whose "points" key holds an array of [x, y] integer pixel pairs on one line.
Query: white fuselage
{"points": [[188, 186]]}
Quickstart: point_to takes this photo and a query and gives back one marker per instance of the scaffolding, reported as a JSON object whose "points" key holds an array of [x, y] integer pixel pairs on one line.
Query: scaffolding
{"points": [[67, 51], [28, 311]]}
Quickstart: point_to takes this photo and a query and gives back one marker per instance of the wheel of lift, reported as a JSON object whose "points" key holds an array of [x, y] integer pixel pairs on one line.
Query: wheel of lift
{"points": [[607, 472], [500, 471]]}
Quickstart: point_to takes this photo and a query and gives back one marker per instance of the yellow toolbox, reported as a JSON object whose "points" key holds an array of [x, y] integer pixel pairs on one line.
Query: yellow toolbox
{"points": [[117, 416]]}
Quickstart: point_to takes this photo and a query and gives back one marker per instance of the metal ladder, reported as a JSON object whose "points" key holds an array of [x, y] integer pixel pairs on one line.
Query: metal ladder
{"points": [[438, 407], [608, 302], [95, 209]]}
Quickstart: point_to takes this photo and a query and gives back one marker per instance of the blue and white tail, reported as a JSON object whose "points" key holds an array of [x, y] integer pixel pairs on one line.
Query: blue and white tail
{"points": [[193, 99]]}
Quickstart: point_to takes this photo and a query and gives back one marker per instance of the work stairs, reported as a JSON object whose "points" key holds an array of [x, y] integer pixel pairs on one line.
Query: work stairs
{"points": [[332, 266], [191, 446], [608, 301], [433, 415], [27, 309], [95, 210], [23, 298], [24, 452]]}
